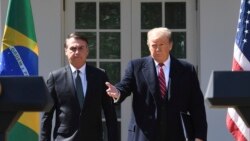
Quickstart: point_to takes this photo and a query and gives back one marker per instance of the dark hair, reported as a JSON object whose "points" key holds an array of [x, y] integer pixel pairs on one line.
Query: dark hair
{"points": [[77, 36]]}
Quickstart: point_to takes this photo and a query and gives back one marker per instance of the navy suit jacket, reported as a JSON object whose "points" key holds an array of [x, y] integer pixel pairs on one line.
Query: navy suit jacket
{"points": [[141, 80], [72, 123]]}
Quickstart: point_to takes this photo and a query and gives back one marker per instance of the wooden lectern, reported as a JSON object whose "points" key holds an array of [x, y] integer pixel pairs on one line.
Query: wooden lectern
{"points": [[230, 89], [19, 94]]}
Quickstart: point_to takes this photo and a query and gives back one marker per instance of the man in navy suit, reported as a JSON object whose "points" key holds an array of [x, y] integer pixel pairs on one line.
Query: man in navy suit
{"points": [[156, 112], [78, 118]]}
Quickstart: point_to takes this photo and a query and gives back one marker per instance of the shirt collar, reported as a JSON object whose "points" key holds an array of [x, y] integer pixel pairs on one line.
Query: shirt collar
{"points": [[82, 69], [166, 63]]}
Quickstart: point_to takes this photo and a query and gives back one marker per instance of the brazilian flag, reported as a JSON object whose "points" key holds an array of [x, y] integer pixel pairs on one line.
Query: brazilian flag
{"points": [[19, 56]]}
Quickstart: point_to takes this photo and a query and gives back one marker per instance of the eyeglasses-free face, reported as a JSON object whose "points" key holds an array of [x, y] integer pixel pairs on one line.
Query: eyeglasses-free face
{"points": [[77, 52], [159, 48], [74, 49]]}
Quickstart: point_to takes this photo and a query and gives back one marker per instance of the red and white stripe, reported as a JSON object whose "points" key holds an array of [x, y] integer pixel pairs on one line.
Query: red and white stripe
{"points": [[235, 124]]}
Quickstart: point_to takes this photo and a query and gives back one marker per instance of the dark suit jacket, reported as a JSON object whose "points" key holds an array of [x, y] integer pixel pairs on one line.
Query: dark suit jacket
{"points": [[71, 123], [141, 79]]}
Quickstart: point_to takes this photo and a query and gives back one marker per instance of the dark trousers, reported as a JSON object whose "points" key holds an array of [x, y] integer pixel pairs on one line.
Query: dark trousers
{"points": [[162, 123]]}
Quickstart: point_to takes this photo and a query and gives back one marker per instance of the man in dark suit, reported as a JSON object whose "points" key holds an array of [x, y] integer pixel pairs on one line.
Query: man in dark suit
{"points": [[78, 104], [163, 88]]}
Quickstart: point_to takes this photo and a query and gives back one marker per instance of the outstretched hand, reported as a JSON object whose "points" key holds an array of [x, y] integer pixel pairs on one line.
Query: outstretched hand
{"points": [[112, 91]]}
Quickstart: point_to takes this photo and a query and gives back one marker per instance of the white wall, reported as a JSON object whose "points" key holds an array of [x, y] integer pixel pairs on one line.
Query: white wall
{"points": [[3, 8], [48, 23], [48, 19], [218, 21]]}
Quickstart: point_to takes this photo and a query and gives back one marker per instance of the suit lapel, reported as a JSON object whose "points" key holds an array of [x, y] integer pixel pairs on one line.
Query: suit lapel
{"points": [[69, 80], [70, 83], [90, 84], [149, 72], [175, 74]]}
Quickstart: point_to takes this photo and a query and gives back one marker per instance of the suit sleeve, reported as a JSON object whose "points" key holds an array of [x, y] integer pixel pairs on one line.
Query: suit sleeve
{"points": [[109, 113], [125, 86], [46, 121], [198, 109]]}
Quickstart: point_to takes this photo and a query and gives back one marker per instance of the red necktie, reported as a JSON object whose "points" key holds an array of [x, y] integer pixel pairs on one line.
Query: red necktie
{"points": [[162, 82]]}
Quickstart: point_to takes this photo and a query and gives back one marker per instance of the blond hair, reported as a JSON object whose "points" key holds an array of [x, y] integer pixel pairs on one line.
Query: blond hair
{"points": [[159, 32]]}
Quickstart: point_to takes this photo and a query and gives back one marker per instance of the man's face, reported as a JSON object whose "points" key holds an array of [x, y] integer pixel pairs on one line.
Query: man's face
{"points": [[159, 47], [76, 52]]}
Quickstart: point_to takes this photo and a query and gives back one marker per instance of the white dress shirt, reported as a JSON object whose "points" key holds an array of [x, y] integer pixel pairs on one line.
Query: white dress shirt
{"points": [[82, 75], [166, 69]]}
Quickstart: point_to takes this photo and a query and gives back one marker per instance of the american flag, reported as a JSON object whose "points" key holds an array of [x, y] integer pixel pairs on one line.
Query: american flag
{"points": [[241, 62]]}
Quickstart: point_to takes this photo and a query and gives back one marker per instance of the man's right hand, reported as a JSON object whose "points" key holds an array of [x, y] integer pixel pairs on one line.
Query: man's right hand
{"points": [[112, 91]]}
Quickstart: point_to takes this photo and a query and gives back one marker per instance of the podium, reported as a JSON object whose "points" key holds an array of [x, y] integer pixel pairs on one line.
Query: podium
{"points": [[19, 94], [230, 89]]}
